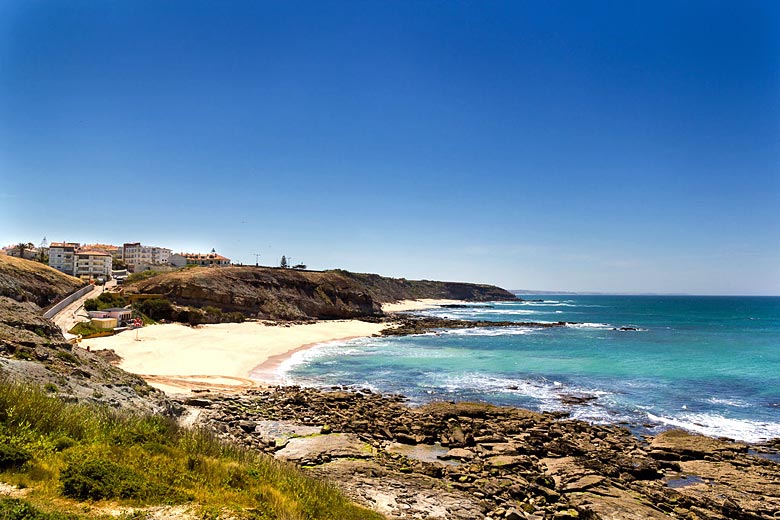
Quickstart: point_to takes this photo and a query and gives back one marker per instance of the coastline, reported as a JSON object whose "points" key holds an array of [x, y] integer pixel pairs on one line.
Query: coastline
{"points": [[267, 370], [225, 357], [176, 358], [418, 305], [466, 460]]}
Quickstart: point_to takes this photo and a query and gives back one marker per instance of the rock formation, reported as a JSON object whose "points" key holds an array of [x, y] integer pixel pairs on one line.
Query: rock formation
{"points": [[288, 294], [470, 460]]}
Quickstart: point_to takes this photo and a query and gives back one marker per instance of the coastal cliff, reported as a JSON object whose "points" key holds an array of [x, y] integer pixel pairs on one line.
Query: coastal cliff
{"points": [[33, 350], [287, 294], [25, 280]]}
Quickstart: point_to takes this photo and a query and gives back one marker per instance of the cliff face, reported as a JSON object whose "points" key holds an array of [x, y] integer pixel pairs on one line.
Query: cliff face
{"points": [[25, 280], [289, 294], [33, 350]]}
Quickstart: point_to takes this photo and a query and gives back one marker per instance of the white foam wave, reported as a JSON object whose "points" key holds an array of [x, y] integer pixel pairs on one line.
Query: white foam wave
{"points": [[327, 348], [590, 326], [502, 331], [548, 304], [507, 312], [545, 392], [737, 403], [715, 425], [475, 381]]}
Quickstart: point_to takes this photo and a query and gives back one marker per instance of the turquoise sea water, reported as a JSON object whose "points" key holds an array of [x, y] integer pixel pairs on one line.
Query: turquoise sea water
{"points": [[708, 364]]}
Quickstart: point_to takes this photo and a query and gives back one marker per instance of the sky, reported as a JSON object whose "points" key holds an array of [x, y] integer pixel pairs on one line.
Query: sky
{"points": [[612, 146]]}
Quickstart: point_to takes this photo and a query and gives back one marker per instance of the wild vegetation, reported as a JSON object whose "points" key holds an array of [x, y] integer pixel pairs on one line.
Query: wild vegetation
{"points": [[106, 300], [26, 280], [78, 458]]}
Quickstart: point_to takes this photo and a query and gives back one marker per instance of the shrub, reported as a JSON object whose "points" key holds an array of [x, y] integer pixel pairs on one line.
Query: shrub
{"points": [[98, 478], [67, 357], [157, 309], [91, 304], [24, 354], [63, 443], [15, 509], [51, 388], [211, 310], [196, 317], [12, 458], [233, 317]]}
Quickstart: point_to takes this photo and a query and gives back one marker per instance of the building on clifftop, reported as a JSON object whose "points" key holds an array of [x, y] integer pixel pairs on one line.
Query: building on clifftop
{"points": [[200, 259], [134, 254]]}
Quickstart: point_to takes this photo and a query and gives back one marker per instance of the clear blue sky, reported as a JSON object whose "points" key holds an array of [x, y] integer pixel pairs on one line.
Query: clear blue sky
{"points": [[607, 146]]}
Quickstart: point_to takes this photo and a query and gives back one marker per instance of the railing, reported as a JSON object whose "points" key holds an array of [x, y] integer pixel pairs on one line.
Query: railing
{"points": [[72, 297]]}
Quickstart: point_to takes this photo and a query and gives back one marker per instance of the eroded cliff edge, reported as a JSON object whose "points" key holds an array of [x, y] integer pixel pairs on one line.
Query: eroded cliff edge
{"points": [[287, 294]]}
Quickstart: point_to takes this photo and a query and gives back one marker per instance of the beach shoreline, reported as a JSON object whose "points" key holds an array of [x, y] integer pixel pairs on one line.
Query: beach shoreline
{"points": [[418, 305], [177, 358]]}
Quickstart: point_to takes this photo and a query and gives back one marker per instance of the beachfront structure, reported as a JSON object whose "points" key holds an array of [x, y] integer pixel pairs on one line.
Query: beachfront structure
{"points": [[118, 313], [62, 256], [200, 259], [135, 254], [92, 264]]}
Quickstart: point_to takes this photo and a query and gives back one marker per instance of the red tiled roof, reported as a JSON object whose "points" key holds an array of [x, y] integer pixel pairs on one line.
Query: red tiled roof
{"points": [[93, 253]]}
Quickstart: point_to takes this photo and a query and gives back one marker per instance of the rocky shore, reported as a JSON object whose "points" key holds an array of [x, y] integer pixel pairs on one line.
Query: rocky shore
{"points": [[405, 325], [477, 461]]}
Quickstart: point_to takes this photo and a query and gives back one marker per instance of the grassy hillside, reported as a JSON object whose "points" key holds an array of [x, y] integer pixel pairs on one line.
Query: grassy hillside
{"points": [[26, 280], [83, 460], [290, 294]]}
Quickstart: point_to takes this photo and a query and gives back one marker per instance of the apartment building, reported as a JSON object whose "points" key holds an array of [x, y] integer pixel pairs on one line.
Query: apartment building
{"points": [[135, 254], [62, 256], [93, 264]]}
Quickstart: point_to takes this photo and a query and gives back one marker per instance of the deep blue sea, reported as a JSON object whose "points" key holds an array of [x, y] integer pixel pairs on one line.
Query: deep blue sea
{"points": [[707, 364]]}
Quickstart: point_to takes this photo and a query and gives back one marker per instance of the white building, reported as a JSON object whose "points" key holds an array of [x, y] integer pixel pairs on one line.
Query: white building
{"points": [[29, 253], [62, 256], [135, 254], [93, 264], [201, 259]]}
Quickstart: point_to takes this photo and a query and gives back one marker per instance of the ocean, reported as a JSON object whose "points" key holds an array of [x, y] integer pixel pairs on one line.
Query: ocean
{"points": [[706, 364]]}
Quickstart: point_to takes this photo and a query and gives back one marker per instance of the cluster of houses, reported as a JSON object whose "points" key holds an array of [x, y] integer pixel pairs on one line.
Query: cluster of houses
{"points": [[96, 261]]}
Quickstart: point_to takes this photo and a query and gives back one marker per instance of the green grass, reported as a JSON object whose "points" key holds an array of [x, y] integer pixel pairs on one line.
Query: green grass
{"points": [[15, 509], [76, 457], [88, 331]]}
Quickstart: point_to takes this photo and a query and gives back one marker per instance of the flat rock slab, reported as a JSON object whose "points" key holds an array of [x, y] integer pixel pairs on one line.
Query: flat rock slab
{"points": [[692, 445], [431, 453], [458, 454], [584, 483], [320, 448], [505, 461], [281, 432], [399, 496], [615, 504]]}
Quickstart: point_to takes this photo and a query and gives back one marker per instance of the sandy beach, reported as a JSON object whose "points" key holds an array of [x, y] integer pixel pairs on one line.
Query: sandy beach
{"points": [[418, 305], [229, 356], [177, 358]]}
